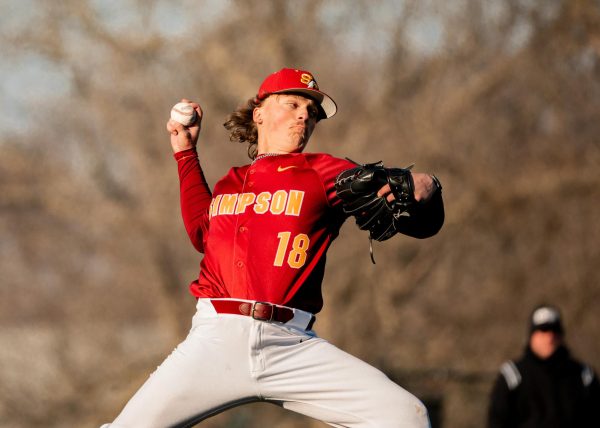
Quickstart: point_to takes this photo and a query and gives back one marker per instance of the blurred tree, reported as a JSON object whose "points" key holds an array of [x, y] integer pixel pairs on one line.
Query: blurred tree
{"points": [[498, 98]]}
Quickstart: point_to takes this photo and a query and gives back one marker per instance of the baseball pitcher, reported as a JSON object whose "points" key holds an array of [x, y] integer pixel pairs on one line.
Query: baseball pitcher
{"points": [[264, 231]]}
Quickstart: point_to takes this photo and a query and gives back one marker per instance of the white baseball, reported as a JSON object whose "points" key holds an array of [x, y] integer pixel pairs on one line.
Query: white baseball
{"points": [[183, 113]]}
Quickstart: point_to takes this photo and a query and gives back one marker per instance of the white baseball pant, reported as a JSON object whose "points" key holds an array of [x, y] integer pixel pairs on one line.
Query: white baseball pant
{"points": [[228, 360]]}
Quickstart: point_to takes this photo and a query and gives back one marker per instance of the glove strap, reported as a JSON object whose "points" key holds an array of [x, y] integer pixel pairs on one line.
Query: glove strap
{"points": [[371, 249], [436, 182]]}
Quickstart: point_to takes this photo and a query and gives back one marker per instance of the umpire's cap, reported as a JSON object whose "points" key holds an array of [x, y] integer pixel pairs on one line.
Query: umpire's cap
{"points": [[546, 318], [290, 80]]}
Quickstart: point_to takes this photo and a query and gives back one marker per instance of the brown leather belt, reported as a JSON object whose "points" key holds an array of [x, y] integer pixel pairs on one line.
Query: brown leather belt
{"points": [[261, 311]]}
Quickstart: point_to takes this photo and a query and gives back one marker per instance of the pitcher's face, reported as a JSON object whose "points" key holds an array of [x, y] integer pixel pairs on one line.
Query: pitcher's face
{"points": [[285, 123]]}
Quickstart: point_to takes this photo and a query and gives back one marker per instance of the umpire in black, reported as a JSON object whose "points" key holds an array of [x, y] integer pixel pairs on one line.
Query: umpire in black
{"points": [[546, 387]]}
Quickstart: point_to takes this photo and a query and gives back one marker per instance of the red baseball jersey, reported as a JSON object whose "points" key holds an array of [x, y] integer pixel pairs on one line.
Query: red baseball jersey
{"points": [[266, 227]]}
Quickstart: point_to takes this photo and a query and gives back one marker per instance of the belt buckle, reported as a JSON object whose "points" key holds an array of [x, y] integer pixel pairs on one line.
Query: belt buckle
{"points": [[259, 318]]}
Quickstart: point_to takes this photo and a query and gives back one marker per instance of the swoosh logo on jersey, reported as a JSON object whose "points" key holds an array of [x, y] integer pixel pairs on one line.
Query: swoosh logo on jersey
{"points": [[285, 168]]}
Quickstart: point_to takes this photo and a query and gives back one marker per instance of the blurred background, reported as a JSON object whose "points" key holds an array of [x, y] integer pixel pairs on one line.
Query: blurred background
{"points": [[499, 98]]}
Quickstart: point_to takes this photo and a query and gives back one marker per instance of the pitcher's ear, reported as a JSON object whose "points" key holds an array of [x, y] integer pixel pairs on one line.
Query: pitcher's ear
{"points": [[257, 115]]}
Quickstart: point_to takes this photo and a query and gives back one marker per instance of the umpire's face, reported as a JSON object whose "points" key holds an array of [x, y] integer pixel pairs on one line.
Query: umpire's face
{"points": [[544, 343], [285, 123]]}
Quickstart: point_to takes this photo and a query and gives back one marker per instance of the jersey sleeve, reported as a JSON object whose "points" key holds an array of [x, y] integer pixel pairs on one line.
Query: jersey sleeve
{"points": [[500, 406], [329, 167], [592, 396], [195, 197], [425, 220]]}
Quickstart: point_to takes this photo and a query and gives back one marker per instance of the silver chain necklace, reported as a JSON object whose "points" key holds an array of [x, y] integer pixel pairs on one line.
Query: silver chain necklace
{"points": [[265, 155]]}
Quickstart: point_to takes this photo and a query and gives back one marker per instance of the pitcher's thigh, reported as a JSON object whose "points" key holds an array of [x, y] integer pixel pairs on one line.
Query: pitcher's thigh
{"points": [[202, 376], [320, 380]]}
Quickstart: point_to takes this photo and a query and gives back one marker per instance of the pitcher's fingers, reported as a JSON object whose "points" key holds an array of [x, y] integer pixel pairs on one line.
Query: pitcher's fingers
{"points": [[385, 190], [174, 127]]}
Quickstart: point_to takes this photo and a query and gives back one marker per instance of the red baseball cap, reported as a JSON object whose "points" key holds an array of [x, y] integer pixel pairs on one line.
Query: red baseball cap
{"points": [[297, 81]]}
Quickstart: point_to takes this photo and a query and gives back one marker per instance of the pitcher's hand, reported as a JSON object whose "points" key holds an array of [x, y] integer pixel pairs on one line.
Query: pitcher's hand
{"points": [[185, 137]]}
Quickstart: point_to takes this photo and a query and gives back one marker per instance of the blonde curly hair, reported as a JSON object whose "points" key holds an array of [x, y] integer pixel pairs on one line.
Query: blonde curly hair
{"points": [[242, 128]]}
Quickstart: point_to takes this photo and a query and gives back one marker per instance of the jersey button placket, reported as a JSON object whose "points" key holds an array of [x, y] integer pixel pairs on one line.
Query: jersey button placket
{"points": [[242, 243], [242, 233]]}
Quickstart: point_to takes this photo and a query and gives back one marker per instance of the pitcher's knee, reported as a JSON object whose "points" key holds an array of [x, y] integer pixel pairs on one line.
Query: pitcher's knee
{"points": [[403, 410], [420, 416]]}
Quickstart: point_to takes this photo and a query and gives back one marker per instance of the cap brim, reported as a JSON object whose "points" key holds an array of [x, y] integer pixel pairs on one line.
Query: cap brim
{"points": [[326, 103], [548, 327]]}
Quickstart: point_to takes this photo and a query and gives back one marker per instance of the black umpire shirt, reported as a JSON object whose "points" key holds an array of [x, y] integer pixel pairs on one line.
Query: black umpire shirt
{"points": [[558, 392]]}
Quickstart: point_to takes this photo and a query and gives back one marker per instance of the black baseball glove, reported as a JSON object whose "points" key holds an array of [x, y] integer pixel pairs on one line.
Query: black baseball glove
{"points": [[357, 188]]}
